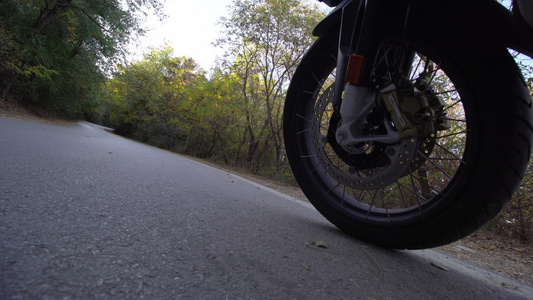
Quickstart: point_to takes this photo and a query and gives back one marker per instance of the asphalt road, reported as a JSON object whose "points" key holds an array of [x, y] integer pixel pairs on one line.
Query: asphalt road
{"points": [[85, 214]]}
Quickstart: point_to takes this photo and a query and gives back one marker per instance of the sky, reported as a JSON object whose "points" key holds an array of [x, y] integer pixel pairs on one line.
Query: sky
{"points": [[190, 29]]}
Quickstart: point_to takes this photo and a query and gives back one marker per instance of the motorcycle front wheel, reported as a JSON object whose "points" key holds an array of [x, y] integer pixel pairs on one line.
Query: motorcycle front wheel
{"points": [[456, 167]]}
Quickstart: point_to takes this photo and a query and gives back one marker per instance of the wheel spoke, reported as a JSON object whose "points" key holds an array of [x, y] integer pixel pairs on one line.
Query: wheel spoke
{"points": [[434, 73], [354, 175], [453, 134], [304, 131], [446, 92], [455, 157], [303, 117], [435, 165], [454, 120]]}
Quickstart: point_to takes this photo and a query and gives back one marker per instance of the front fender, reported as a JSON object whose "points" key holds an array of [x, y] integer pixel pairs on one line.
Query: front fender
{"points": [[331, 20]]}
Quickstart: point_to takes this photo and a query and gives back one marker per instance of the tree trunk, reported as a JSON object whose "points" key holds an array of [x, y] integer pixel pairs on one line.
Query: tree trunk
{"points": [[7, 88], [51, 11]]}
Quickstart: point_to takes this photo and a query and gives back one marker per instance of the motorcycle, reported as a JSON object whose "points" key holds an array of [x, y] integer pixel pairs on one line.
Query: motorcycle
{"points": [[408, 124]]}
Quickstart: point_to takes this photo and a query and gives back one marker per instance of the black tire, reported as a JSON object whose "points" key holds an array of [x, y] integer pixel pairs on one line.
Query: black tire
{"points": [[496, 147]]}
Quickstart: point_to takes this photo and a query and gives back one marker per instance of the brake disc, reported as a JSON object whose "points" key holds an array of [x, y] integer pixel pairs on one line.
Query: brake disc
{"points": [[399, 156]]}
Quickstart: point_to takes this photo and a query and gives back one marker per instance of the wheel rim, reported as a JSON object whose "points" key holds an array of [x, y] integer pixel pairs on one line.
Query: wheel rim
{"points": [[430, 160]]}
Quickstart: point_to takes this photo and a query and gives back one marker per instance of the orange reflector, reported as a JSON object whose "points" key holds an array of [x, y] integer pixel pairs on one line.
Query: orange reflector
{"points": [[355, 63]]}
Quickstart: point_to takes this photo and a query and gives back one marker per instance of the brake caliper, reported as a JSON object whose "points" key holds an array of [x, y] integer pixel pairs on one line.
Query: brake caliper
{"points": [[414, 110]]}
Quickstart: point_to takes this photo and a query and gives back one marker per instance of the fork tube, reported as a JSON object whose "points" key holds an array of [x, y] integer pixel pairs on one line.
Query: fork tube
{"points": [[366, 21], [349, 21], [369, 38], [380, 16]]}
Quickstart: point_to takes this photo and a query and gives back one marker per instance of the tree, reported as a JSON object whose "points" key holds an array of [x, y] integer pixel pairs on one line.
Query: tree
{"points": [[151, 99], [168, 102], [266, 40], [59, 50], [220, 115]]}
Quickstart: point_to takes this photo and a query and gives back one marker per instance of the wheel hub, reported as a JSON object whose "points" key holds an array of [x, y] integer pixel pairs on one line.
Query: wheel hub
{"points": [[384, 163]]}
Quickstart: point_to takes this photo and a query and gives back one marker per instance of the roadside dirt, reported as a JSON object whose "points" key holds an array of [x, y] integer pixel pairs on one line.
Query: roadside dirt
{"points": [[29, 113], [499, 253]]}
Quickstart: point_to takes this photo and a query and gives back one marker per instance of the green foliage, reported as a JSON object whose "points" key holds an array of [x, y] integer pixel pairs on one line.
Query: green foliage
{"points": [[149, 98], [167, 101], [234, 117], [265, 40], [54, 53]]}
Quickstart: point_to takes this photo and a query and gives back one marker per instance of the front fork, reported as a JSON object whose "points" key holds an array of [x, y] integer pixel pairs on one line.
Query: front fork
{"points": [[354, 94]]}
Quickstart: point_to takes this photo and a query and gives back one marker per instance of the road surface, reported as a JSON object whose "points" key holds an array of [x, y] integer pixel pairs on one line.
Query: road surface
{"points": [[86, 214]]}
